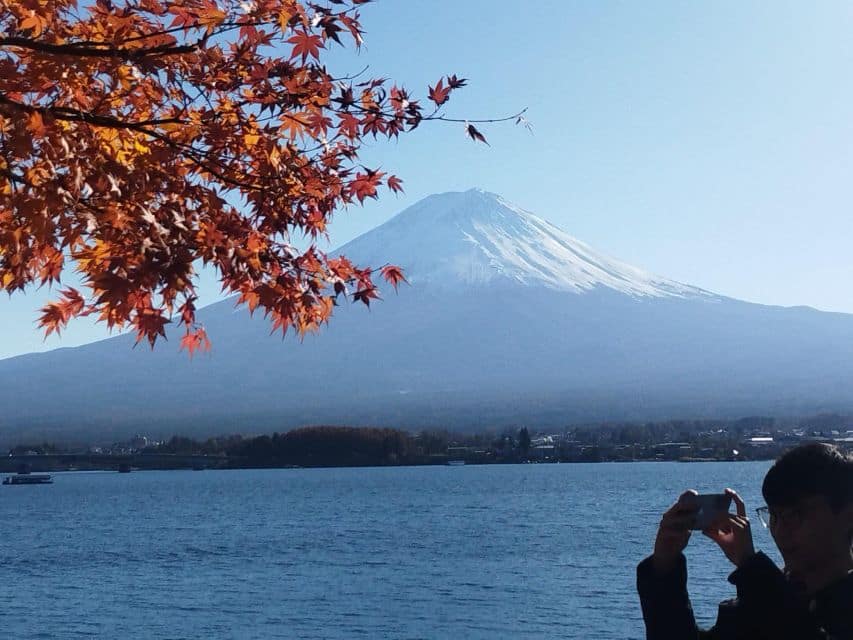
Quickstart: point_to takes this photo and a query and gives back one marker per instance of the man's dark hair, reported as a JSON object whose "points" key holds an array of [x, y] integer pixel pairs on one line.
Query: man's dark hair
{"points": [[813, 469]]}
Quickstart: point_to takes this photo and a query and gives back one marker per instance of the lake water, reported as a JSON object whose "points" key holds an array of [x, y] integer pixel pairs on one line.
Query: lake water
{"points": [[516, 551]]}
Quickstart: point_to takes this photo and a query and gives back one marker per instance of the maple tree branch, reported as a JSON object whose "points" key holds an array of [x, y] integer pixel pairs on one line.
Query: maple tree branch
{"points": [[144, 36], [192, 154], [65, 113], [99, 51]]}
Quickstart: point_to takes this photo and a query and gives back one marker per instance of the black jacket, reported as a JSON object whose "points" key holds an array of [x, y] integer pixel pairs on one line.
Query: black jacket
{"points": [[767, 606]]}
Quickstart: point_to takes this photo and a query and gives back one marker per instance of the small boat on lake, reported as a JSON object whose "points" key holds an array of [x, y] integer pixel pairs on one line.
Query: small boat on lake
{"points": [[28, 478], [455, 463]]}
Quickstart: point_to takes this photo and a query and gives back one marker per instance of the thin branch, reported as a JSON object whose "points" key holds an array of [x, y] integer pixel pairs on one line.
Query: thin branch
{"points": [[443, 119], [14, 178], [352, 77], [201, 163]]}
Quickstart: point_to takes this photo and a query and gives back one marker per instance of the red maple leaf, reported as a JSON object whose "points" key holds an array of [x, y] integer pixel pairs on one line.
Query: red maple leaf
{"points": [[364, 185], [439, 94], [348, 125], [399, 99], [456, 83], [475, 135], [306, 44], [365, 295], [150, 323]]}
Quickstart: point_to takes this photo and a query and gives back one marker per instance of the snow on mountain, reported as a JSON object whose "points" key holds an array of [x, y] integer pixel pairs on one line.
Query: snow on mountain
{"points": [[478, 238]]}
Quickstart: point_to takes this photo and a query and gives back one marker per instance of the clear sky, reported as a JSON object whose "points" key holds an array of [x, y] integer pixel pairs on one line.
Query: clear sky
{"points": [[711, 143]]}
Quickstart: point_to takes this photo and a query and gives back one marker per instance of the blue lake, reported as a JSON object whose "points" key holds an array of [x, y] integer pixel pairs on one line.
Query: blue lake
{"points": [[517, 551]]}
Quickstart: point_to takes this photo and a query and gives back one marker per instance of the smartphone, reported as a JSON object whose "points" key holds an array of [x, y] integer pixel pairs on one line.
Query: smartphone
{"points": [[711, 506]]}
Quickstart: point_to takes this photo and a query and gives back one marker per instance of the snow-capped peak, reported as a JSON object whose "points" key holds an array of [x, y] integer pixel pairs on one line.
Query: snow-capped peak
{"points": [[477, 238]]}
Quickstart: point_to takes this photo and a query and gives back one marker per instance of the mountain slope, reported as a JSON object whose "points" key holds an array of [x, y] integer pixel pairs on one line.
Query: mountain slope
{"points": [[478, 238], [507, 320]]}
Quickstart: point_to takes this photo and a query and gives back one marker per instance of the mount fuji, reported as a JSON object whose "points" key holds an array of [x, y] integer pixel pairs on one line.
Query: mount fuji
{"points": [[478, 239], [507, 320]]}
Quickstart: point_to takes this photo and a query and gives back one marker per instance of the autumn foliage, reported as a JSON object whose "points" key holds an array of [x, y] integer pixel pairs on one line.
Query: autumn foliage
{"points": [[141, 138]]}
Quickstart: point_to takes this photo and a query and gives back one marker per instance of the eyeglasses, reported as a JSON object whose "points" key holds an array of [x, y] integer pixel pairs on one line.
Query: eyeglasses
{"points": [[792, 516]]}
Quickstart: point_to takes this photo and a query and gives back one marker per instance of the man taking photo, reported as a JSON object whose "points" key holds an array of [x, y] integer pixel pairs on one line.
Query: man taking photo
{"points": [[809, 494]]}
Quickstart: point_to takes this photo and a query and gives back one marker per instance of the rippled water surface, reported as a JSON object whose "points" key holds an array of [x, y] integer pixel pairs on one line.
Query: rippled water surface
{"points": [[524, 551]]}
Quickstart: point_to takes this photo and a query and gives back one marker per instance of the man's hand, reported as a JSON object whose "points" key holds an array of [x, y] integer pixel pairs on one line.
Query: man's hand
{"points": [[673, 533], [733, 533]]}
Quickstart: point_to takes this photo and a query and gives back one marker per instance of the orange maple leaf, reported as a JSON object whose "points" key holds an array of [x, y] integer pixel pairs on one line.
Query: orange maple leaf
{"points": [[195, 341], [394, 275]]}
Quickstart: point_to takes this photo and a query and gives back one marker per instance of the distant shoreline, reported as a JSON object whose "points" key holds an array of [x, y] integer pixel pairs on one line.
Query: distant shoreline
{"points": [[341, 446], [215, 465]]}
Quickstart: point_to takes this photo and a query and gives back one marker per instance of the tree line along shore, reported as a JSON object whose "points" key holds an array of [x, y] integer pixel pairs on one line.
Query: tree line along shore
{"points": [[755, 438]]}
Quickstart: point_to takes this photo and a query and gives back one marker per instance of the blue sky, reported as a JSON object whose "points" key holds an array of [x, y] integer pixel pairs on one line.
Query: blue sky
{"points": [[711, 143]]}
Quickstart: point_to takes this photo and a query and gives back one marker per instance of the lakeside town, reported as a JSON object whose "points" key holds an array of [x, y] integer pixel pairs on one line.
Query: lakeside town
{"points": [[754, 438]]}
